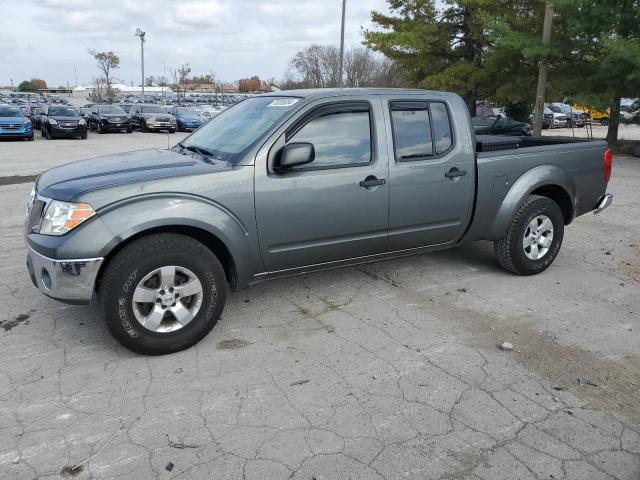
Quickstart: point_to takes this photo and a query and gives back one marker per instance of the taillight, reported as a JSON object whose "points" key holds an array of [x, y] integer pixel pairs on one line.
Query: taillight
{"points": [[608, 163]]}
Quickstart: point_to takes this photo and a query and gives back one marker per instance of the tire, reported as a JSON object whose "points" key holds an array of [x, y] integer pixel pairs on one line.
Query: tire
{"points": [[127, 271], [130, 130], [143, 126], [99, 128], [42, 131], [604, 122], [30, 139], [84, 135], [510, 250], [172, 130], [48, 135]]}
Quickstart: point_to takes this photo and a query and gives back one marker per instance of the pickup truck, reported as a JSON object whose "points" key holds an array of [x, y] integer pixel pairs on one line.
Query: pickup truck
{"points": [[293, 182]]}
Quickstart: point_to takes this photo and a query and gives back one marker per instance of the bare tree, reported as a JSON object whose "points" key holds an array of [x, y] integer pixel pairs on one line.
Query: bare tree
{"points": [[97, 90], [106, 61], [180, 78], [317, 66]]}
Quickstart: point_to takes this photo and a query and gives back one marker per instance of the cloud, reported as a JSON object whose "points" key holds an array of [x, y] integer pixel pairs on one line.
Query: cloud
{"points": [[234, 39]]}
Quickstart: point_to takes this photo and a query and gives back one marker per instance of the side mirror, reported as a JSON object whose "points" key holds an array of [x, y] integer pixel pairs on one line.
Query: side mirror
{"points": [[295, 154]]}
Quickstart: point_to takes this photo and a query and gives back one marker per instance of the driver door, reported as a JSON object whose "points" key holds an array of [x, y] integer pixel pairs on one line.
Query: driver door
{"points": [[335, 207]]}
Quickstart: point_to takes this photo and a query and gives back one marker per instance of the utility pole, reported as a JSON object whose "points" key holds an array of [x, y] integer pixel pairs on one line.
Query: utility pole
{"points": [[344, 6], [542, 72], [141, 34]]}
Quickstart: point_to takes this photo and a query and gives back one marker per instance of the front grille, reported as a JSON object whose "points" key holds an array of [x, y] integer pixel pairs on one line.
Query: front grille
{"points": [[69, 124], [11, 126], [35, 216], [162, 119], [117, 120]]}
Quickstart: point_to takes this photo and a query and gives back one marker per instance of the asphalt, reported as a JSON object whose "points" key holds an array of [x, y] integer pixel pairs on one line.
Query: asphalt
{"points": [[388, 371]]}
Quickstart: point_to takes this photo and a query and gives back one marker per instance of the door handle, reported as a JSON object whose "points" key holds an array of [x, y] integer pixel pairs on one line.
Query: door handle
{"points": [[372, 181], [454, 173]]}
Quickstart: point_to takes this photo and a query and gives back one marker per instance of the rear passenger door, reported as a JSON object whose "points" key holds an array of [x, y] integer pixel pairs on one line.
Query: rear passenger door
{"points": [[432, 172]]}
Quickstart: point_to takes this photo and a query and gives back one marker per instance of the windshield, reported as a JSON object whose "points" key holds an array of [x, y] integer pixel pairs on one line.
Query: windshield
{"points": [[482, 121], [63, 112], [152, 109], [10, 112], [111, 109], [229, 135], [555, 109], [187, 111]]}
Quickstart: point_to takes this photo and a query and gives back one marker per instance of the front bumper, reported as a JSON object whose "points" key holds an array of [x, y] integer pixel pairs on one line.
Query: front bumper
{"points": [[22, 132], [69, 280], [60, 131], [161, 125], [111, 126], [603, 203]]}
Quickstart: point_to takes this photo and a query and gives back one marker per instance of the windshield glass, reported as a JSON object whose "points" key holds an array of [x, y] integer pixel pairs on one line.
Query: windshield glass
{"points": [[10, 112], [229, 135], [482, 121], [556, 109], [111, 109], [63, 112], [152, 109], [187, 111]]}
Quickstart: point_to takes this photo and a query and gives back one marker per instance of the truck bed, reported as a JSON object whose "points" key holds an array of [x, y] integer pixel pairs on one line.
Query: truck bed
{"points": [[493, 143]]}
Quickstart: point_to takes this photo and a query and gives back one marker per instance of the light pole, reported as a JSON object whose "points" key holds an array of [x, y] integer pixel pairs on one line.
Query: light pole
{"points": [[140, 33], [344, 6]]}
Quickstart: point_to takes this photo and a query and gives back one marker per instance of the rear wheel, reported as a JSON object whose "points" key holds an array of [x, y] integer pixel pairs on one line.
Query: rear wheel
{"points": [[534, 237], [604, 122], [162, 293], [144, 127]]}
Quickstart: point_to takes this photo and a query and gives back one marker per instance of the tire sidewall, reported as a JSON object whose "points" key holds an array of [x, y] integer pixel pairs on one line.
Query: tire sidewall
{"points": [[523, 264], [122, 322]]}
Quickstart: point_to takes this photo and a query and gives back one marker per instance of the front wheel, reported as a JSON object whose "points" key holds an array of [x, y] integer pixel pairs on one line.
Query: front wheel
{"points": [[162, 293], [144, 127], [534, 237], [604, 122]]}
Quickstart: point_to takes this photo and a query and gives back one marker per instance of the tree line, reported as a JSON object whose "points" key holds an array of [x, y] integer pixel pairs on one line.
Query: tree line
{"points": [[490, 50]]}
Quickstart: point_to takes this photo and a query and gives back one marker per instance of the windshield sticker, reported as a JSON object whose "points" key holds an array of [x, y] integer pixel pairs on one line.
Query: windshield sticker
{"points": [[283, 102]]}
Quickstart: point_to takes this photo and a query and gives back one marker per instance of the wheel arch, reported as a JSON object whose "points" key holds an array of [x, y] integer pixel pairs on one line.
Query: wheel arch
{"points": [[208, 239], [548, 181]]}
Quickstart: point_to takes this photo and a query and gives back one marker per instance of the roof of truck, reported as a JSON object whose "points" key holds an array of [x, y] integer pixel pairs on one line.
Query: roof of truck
{"points": [[312, 92]]}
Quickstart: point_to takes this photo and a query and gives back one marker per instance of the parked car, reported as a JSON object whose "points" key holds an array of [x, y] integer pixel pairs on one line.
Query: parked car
{"points": [[35, 117], [289, 183], [575, 117], [148, 117], [109, 118], [560, 120], [602, 117], [187, 118], [500, 125], [14, 123], [62, 121]]}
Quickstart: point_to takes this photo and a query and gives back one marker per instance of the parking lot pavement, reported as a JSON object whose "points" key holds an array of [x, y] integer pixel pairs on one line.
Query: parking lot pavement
{"points": [[19, 157], [626, 132], [384, 371]]}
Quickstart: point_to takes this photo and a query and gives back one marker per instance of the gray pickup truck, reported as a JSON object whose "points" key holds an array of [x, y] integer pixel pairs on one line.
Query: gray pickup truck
{"points": [[293, 182]]}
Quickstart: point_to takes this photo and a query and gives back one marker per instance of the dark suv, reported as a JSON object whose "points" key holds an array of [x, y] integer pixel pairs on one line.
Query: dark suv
{"points": [[62, 121], [108, 118]]}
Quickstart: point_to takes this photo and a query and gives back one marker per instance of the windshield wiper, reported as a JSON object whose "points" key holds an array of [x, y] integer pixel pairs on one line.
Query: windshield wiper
{"points": [[194, 148]]}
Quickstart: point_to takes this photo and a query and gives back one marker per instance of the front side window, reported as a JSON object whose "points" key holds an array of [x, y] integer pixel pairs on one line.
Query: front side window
{"points": [[340, 137]]}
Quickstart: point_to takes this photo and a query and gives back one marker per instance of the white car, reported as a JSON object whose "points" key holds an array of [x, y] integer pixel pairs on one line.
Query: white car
{"points": [[560, 120]]}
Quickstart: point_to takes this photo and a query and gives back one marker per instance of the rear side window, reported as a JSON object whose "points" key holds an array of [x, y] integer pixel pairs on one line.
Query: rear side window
{"points": [[341, 137], [420, 129], [442, 135]]}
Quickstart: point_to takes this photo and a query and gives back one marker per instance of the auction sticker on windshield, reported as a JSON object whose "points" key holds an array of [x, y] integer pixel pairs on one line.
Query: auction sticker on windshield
{"points": [[283, 102]]}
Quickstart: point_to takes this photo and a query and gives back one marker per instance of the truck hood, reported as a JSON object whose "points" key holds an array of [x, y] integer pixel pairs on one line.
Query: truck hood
{"points": [[69, 181], [5, 120]]}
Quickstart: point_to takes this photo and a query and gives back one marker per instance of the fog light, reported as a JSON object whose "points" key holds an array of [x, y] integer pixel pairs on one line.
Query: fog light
{"points": [[46, 279]]}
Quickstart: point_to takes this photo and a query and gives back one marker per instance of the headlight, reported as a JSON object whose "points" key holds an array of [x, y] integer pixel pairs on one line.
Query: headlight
{"points": [[61, 217], [53, 121], [82, 122]]}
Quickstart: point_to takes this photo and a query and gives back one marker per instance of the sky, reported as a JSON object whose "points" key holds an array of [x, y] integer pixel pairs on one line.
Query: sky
{"points": [[49, 39]]}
